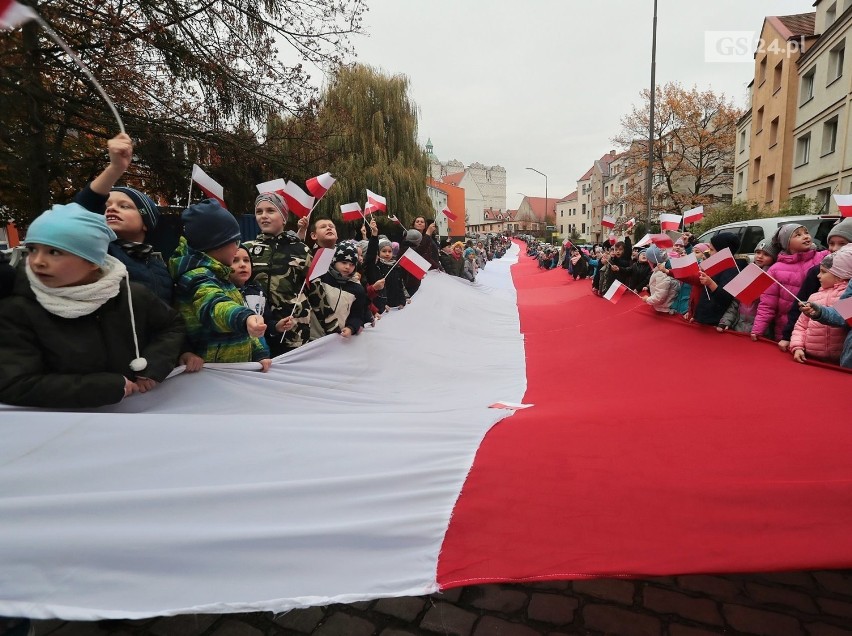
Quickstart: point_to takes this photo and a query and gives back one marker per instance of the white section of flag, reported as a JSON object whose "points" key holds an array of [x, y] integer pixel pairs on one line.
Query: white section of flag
{"points": [[276, 185], [13, 14], [510, 406], [207, 184], [321, 262], [645, 240]]}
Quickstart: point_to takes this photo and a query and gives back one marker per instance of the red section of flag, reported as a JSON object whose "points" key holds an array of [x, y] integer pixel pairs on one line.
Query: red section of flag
{"points": [[694, 215], [321, 262], [844, 204], [685, 266], [318, 186], [662, 240], [208, 185], [298, 201], [449, 214], [844, 308], [749, 284], [670, 222], [351, 211], [615, 291], [608, 221], [414, 264], [719, 262], [377, 201]]}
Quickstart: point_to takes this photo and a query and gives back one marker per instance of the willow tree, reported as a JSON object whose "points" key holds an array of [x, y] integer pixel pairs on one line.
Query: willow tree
{"points": [[185, 75], [365, 134]]}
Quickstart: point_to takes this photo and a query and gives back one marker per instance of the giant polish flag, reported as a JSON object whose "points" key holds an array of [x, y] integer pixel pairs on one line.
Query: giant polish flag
{"points": [[414, 264], [670, 222], [749, 284], [13, 14], [207, 184], [718, 262], [844, 204]]}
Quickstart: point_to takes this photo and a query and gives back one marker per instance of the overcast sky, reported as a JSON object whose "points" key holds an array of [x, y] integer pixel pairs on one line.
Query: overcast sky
{"points": [[545, 83]]}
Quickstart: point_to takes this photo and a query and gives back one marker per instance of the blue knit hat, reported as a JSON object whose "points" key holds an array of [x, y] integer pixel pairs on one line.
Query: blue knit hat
{"points": [[656, 255], [73, 229], [207, 225], [148, 209]]}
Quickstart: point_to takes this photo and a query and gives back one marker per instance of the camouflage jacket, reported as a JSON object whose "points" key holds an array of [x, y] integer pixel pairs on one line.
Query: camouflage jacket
{"points": [[280, 265]]}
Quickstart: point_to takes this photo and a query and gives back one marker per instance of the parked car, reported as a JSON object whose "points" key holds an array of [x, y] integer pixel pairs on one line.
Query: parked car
{"points": [[753, 231]]}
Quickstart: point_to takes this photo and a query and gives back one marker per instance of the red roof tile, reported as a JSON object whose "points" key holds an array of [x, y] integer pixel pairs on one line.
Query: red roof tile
{"points": [[798, 24], [453, 179]]}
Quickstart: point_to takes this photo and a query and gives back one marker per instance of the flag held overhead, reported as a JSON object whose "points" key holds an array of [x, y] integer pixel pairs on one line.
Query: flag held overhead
{"points": [[844, 204], [414, 264], [299, 202], [449, 214], [14, 14], [670, 222], [694, 215], [608, 221], [208, 185], [378, 202], [351, 211], [318, 186], [276, 185]]}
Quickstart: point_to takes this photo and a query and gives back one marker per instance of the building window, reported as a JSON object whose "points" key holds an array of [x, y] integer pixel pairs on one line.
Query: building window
{"points": [[803, 150], [584, 225], [742, 140], [773, 132], [807, 89], [830, 15], [829, 136], [835, 62], [759, 121], [770, 187], [584, 205], [823, 197], [776, 78], [755, 173], [762, 72], [740, 181]]}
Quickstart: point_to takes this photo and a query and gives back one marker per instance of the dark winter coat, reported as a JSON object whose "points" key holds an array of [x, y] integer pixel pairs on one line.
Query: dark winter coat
{"points": [[359, 311]]}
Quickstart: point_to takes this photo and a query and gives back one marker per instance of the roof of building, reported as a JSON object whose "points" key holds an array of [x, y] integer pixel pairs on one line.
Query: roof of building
{"points": [[794, 26], [606, 160], [569, 197], [453, 179], [541, 207]]}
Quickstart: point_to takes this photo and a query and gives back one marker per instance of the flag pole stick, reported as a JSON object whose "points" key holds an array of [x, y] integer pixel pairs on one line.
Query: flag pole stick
{"points": [[785, 289], [55, 37], [295, 301], [189, 194]]}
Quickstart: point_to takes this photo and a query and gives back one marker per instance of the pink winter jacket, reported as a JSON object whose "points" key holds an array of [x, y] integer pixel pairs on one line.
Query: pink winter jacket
{"points": [[775, 303], [818, 340]]}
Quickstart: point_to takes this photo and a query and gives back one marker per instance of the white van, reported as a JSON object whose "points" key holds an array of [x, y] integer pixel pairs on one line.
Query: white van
{"points": [[753, 231]]}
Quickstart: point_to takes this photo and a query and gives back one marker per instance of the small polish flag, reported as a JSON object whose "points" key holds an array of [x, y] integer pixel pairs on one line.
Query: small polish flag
{"points": [[608, 221], [694, 215], [510, 406], [318, 186], [377, 201], [630, 224], [844, 204], [414, 264], [321, 262], [685, 266], [393, 218], [13, 14], [670, 222], [449, 214], [645, 240], [844, 308], [719, 262], [615, 291], [749, 284], [275, 186], [611, 239], [208, 186], [297, 200], [351, 211], [662, 240]]}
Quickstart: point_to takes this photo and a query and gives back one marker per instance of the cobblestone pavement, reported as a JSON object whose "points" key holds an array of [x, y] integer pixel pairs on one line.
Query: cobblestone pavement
{"points": [[794, 603]]}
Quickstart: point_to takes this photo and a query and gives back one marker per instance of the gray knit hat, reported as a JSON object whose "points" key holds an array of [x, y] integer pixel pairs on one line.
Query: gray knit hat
{"points": [[844, 229], [414, 237], [656, 255], [767, 247], [785, 232]]}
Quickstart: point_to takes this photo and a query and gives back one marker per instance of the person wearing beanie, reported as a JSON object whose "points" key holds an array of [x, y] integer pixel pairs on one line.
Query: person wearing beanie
{"points": [[796, 256], [840, 266], [132, 215], [812, 338], [219, 326], [382, 276], [347, 296], [471, 267], [740, 317], [76, 333], [662, 288], [281, 260]]}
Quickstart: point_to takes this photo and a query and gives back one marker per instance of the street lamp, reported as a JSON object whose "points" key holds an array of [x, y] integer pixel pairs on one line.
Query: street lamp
{"points": [[545, 195]]}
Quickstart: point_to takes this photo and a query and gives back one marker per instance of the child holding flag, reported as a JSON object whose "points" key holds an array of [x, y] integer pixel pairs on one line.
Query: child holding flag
{"points": [[740, 317], [842, 267], [381, 273], [812, 338], [662, 287], [351, 308], [712, 303]]}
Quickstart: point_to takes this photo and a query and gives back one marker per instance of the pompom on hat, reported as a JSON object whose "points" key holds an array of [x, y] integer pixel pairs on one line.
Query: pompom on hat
{"points": [[73, 229], [207, 225], [148, 209]]}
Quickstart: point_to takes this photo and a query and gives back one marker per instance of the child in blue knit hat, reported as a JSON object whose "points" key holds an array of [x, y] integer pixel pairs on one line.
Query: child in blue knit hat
{"points": [[76, 333]]}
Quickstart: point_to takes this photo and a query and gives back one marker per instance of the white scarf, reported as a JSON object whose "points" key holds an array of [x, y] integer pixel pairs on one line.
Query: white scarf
{"points": [[81, 300]]}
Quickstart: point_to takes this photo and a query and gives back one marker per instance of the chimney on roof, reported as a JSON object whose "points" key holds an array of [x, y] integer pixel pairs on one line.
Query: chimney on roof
{"points": [[612, 152]]}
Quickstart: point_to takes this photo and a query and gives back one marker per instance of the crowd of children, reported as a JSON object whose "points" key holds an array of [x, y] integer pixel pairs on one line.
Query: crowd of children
{"points": [[93, 314], [796, 311]]}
